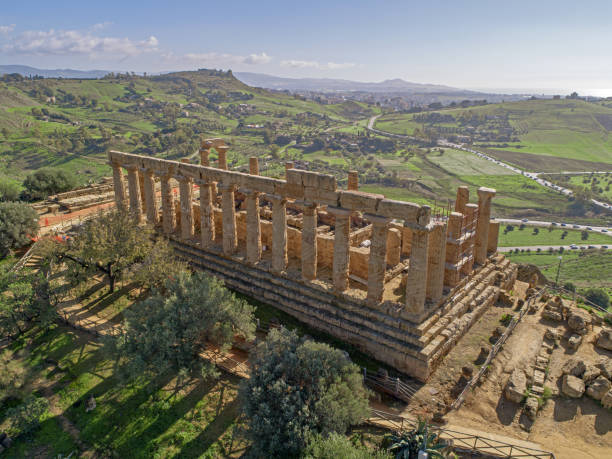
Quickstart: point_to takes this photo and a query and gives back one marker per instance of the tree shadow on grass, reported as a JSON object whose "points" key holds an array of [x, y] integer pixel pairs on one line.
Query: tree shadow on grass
{"points": [[213, 431]]}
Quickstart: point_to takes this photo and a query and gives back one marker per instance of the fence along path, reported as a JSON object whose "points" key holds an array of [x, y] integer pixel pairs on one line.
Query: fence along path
{"points": [[235, 363], [495, 349]]}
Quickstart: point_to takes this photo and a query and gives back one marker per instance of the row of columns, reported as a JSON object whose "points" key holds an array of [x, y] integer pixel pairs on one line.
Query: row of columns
{"points": [[425, 276]]}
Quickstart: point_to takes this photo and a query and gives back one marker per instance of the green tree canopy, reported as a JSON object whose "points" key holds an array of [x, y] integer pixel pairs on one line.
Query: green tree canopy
{"points": [[9, 191], [598, 296], [18, 223], [45, 182], [299, 388], [169, 331], [339, 446]]}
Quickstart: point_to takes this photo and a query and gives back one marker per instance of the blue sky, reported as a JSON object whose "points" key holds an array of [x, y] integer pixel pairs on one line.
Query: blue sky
{"points": [[535, 45]]}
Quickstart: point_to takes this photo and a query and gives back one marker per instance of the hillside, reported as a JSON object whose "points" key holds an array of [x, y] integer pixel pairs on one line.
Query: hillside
{"points": [[539, 135]]}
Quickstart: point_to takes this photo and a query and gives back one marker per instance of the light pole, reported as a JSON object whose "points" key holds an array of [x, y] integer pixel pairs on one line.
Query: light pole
{"points": [[558, 270]]}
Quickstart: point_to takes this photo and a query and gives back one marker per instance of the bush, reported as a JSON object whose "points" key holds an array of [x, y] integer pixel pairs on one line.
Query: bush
{"points": [[45, 182], [25, 418], [569, 286], [338, 446], [18, 223], [299, 388], [9, 191], [598, 296]]}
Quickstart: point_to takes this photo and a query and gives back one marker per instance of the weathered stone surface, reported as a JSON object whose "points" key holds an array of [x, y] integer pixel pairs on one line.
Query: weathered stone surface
{"points": [[605, 339], [552, 333], [606, 400], [574, 341], [578, 321], [572, 386], [552, 315], [605, 365], [590, 373], [531, 408], [574, 367], [598, 388], [517, 386]]}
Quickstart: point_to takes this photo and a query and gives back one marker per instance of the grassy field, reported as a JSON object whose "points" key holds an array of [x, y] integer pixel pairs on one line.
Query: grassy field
{"points": [[527, 237], [583, 269], [571, 129]]}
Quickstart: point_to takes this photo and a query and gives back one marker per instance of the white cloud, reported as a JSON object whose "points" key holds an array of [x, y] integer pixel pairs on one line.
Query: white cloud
{"points": [[316, 65], [101, 25], [75, 42], [6, 29], [214, 59]]}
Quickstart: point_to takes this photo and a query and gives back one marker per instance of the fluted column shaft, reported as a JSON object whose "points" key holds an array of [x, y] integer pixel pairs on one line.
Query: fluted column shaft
{"points": [[253, 227], [416, 280], [485, 195], [119, 186], [134, 187], [436, 262], [168, 216], [228, 204], [377, 263], [279, 233], [207, 215], [186, 192], [340, 265], [309, 242], [149, 196]]}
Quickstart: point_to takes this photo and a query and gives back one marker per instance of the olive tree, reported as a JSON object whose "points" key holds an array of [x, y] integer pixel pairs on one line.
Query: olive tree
{"points": [[44, 182], [299, 388], [169, 331], [18, 224]]}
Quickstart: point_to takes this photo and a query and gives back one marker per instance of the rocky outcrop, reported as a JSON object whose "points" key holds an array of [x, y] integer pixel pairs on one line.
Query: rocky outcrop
{"points": [[572, 386], [605, 339], [574, 367], [605, 366], [598, 388], [574, 341], [517, 386], [579, 321], [531, 408]]}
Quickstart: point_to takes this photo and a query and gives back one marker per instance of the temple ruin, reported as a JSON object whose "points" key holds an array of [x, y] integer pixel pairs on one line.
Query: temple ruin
{"points": [[387, 276]]}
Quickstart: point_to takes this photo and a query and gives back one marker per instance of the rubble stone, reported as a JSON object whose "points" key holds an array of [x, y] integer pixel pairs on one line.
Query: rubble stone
{"points": [[605, 365], [531, 408], [605, 339], [574, 341], [574, 367], [578, 321], [606, 400], [572, 386], [598, 388], [517, 386]]}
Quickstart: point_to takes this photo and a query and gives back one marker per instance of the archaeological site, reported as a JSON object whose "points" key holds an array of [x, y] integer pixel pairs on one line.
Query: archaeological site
{"points": [[387, 276]]}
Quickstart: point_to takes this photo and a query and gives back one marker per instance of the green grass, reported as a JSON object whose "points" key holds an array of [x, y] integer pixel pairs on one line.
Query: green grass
{"points": [[459, 162], [527, 237], [583, 268]]}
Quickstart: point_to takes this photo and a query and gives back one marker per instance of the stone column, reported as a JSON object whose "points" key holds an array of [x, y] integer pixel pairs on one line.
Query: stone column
{"points": [[288, 165], [186, 192], [341, 248], [207, 215], [309, 242], [142, 191], [463, 197], [119, 186], [416, 281], [205, 153], [228, 205], [453, 249], [471, 211], [167, 204], [134, 187], [435, 263], [222, 151], [279, 233], [253, 227], [149, 196], [406, 240], [493, 237], [353, 181], [394, 242], [253, 166], [377, 262], [485, 195]]}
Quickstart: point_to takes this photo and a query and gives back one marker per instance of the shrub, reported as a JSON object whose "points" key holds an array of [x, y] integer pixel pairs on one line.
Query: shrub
{"points": [[9, 191], [569, 286], [45, 182], [598, 296], [18, 223], [338, 446], [25, 418]]}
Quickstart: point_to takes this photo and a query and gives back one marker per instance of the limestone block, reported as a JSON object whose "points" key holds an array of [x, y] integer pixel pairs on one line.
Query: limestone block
{"points": [[361, 201], [606, 400], [605, 339], [572, 386], [575, 366], [516, 386], [605, 365], [401, 210], [598, 388]]}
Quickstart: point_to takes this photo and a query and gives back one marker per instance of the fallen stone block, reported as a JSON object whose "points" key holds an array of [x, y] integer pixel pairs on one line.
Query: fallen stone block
{"points": [[598, 388], [572, 386], [517, 386]]}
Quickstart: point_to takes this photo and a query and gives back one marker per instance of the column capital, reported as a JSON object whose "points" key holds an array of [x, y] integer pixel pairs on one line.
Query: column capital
{"points": [[377, 219], [307, 204], [486, 192], [183, 178], [250, 192], [227, 186], [131, 167], [276, 198]]}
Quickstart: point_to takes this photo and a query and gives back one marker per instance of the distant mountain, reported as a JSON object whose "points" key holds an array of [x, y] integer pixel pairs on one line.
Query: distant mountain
{"points": [[335, 85], [49, 73]]}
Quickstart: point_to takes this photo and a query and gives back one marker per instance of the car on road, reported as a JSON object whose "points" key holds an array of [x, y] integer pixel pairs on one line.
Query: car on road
{"points": [[563, 224], [525, 220], [604, 246], [589, 228], [604, 230], [582, 247], [554, 224], [575, 226], [592, 247], [573, 246]]}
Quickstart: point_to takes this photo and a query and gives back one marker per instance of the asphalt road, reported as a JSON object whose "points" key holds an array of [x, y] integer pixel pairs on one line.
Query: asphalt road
{"points": [[545, 248], [594, 229]]}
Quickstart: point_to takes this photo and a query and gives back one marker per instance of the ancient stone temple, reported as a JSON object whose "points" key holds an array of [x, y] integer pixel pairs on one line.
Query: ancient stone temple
{"points": [[384, 275]]}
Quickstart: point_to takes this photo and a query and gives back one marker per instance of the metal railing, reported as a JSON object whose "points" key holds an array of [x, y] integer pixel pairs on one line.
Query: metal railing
{"points": [[466, 442], [392, 386], [495, 349]]}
